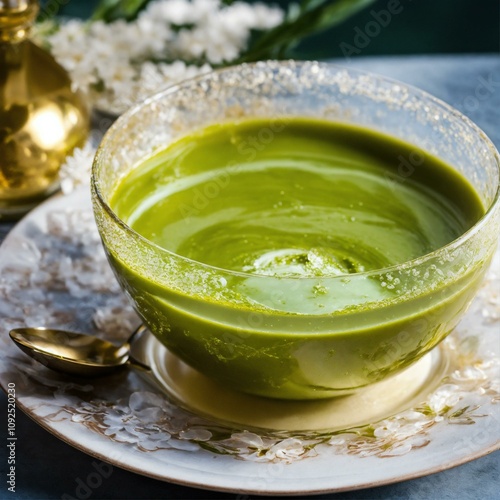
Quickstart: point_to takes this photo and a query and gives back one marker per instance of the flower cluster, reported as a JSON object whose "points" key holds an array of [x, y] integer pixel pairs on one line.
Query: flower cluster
{"points": [[120, 63], [75, 171]]}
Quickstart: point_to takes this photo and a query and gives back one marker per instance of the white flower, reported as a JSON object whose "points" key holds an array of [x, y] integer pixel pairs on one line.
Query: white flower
{"points": [[206, 9], [173, 12], [154, 34], [287, 450], [247, 439], [266, 17], [196, 434], [116, 75], [190, 44], [111, 62], [83, 74], [76, 169], [71, 31], [445, 397]]}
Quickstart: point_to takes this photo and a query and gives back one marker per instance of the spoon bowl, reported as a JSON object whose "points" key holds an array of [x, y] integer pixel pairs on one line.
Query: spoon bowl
{"points": [[75, 353]]}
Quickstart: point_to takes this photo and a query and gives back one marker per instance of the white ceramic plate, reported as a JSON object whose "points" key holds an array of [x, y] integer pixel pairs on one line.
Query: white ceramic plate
{"points": [[442, 412]]}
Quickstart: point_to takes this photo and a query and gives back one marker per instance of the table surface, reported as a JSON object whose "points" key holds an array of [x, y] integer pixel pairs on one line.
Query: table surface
{"points": [[48, 468]]}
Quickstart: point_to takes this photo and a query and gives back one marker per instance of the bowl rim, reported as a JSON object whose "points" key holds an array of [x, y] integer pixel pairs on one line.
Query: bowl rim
{"points": [[114, 130]]}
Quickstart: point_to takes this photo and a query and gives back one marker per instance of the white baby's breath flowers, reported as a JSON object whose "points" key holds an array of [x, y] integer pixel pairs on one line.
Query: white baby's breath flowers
{"points": [[119, 63], [75, 171]]}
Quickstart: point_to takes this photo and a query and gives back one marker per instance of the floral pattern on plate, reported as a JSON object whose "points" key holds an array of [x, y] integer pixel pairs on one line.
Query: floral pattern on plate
{"points": [[54, 272]]}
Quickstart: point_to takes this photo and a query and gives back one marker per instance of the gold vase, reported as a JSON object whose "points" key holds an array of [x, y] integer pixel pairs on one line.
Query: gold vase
{"points": [[42, 119]]}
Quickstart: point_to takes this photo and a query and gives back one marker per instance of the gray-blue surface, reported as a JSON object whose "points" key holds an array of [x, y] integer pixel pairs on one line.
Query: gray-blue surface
{"points": [[48, 468]]}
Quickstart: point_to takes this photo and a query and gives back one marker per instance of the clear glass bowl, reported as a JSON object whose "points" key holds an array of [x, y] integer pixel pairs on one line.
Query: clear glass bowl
{"points": [[237, 328]]}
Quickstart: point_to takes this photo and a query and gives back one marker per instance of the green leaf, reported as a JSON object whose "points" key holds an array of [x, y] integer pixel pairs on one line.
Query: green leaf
{"points": [[111, 10], [312, 17]]}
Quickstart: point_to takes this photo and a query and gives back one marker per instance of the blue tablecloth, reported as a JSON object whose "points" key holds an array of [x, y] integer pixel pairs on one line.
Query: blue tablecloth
{"points": [[49, 468]]}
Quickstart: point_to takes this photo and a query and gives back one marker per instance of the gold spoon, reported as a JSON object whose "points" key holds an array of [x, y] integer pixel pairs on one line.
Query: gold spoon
{"points": [[76, 353]]}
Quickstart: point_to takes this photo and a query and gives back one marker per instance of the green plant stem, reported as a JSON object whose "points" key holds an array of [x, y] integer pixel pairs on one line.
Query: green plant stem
{"points": [[111, 10], [313, 17], [306, 19]]}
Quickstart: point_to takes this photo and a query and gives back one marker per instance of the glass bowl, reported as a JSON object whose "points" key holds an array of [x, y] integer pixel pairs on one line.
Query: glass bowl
{"points": [[256, 333]]}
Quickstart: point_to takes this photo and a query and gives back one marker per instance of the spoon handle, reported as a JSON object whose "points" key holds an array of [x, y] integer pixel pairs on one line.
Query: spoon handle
{"points": [[132, 361], [138, 365]]}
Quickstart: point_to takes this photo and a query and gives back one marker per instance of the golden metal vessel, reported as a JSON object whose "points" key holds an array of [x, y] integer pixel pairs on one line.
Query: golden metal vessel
{"points": [[42, 119]]}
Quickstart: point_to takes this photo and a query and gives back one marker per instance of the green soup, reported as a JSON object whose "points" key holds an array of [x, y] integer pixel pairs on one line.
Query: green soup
{"points": [[314, 198], [297, 199]]}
